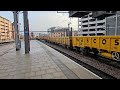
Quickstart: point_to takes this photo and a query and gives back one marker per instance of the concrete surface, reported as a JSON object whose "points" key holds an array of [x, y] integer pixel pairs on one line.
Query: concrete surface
{"points": [[42, 62]]}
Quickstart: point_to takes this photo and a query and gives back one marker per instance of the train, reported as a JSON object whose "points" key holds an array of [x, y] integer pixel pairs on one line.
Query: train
{"points": [[106, 46]]}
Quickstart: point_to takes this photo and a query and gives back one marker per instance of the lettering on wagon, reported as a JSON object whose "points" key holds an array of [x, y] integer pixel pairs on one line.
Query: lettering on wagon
{"points": [[81, 41], [77, 39], [94, 40], [104, 41], [116, 42], [87, 40]]}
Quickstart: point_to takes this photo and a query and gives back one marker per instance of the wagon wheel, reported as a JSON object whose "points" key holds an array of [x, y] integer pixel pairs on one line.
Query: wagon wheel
{"points": [[85, 51], [115, 56]]}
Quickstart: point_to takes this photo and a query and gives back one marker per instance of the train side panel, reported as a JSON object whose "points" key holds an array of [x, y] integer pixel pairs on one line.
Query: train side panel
{"points": [[82, 42], [76, 41], [87, 42], [67, 41], [104, 43], [73, 41], [115, 43], [95, 42], [62, 40]]}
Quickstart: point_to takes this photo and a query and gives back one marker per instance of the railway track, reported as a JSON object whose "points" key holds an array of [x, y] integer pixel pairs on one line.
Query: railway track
{"points": [[103, 67]]}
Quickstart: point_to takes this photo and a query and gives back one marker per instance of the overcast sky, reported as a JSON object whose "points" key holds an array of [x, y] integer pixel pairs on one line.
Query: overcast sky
{"points": [[42, 20]]}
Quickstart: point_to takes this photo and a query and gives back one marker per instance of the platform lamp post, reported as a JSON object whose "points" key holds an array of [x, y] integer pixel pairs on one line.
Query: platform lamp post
{"points": [[69, 28], [70, 34]]}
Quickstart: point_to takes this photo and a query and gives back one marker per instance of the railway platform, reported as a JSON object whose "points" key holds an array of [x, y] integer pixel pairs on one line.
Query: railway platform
{"points": [[42, 62]]}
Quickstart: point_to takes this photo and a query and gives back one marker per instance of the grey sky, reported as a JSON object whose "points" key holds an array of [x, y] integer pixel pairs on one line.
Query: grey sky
{"points": [[42, 20]]}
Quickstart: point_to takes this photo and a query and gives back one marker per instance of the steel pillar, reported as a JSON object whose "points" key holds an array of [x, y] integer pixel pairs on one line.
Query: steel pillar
{"points": [[70, 37], [17, 41], [26, 32]]}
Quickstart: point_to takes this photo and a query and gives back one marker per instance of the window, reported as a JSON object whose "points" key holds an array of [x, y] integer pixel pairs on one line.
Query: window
{"points": [[2, 28]]}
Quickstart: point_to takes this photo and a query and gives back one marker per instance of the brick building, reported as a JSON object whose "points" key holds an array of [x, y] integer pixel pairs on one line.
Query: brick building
{"points": [[6, 29], [61, 32], [58, 32]]}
